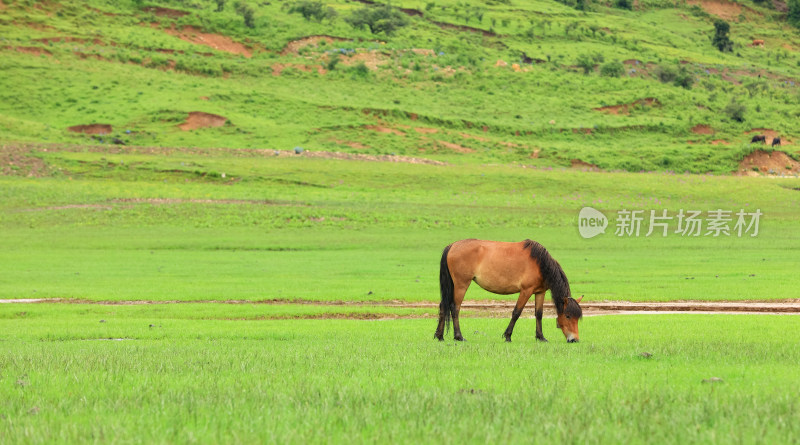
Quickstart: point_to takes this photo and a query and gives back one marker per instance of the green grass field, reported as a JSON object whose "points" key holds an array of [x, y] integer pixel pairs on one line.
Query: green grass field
{"points": [[199, 373], [107, 226], [104, 225], [208, 285]]}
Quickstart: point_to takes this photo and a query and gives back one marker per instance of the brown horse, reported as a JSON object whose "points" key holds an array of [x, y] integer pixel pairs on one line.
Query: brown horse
{"points": [[505, 268]]}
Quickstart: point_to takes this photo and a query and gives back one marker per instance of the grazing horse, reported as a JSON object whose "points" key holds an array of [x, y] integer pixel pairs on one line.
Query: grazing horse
{"points": [[776, 141], [505, 268], [759, 138]]}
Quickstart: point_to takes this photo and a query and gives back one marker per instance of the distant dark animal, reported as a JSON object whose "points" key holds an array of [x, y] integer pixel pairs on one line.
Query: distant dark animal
{"points": [[776, 141], [505, 268], [118, 141], [759, 138]]}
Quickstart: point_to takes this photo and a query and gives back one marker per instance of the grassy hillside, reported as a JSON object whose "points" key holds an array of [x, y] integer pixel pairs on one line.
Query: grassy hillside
{"points": [[462, 81]]}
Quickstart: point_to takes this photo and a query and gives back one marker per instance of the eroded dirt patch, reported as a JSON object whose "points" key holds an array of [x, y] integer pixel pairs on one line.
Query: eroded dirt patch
{"points": [[479, 308], [776, 163], [382, 129], [720, 8], [351, 144], [585, 166], [67, 39], [425, 130], [353, 157], [92, 129], [200, 119], [625, 108], [371, 59], [32, 50], [295, 46], [455, 147], [279, 68], [336, 316], [219, 42], [702, 129], [30, 149], [18, 161], [165, 12]]}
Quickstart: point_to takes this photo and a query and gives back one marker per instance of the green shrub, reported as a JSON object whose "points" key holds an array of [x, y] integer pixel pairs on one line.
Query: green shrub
{"points": [[313, 11], [586, 62], [332, 62], [612, 69], [735, 110], [666, 73], [247, 13], [683, 78], [793, 15], [360, 70], [624, 4], [379, 19], [721, 40]]}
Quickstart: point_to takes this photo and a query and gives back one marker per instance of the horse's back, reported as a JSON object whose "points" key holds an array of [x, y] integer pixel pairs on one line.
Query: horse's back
{"points": [[499, 267]]}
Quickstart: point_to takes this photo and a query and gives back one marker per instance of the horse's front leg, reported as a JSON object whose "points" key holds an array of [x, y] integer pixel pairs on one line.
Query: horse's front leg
{"points": [[539, 307], [521, 302]]}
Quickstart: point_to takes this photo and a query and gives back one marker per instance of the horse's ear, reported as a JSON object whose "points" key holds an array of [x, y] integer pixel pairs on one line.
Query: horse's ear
{"points": [[579, 299]]}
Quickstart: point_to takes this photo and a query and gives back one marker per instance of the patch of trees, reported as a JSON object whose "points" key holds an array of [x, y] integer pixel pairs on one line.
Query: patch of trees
{"points": [[311, 10], [624, 4], [793, 14], [721, 40], [580, 5], [735, 110], [378, 19], [613, 68], [680, 77]]}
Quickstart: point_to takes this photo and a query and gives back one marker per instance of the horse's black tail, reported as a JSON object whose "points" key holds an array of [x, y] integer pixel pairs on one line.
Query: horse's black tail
{"points": [[446, 288]]}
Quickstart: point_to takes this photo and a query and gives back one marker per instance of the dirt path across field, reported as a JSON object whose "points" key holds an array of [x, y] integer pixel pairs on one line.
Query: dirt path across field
{"points": [[498, 308]]}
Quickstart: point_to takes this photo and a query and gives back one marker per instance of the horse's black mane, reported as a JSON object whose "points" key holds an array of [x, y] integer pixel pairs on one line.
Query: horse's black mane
{"points": [[556, 280]]}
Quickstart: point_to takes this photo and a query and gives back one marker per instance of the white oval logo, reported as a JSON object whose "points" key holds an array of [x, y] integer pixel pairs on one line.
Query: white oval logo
{"points": [[591, 222]]}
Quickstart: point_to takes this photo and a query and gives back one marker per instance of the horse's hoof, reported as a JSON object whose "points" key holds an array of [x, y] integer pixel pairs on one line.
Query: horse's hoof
{"points": [[542, 339], [459, 338], [437, 337], [508, 339]]}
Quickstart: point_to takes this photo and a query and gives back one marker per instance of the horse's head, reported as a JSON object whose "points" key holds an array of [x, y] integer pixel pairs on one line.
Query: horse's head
{"points": [[567, 321]]}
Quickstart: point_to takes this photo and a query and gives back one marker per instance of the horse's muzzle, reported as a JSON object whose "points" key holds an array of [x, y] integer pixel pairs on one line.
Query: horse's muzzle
{"points": [[572, 340]]}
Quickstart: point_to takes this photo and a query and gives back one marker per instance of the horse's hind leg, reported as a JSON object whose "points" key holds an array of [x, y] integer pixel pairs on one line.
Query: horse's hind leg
{"points": [[439, 334], [524, 296], [460, 289]]}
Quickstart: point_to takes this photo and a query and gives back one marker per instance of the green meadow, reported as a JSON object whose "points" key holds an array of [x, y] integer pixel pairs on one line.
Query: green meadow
{"points": [[119, 226], [259, 275], [174, 373]]}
